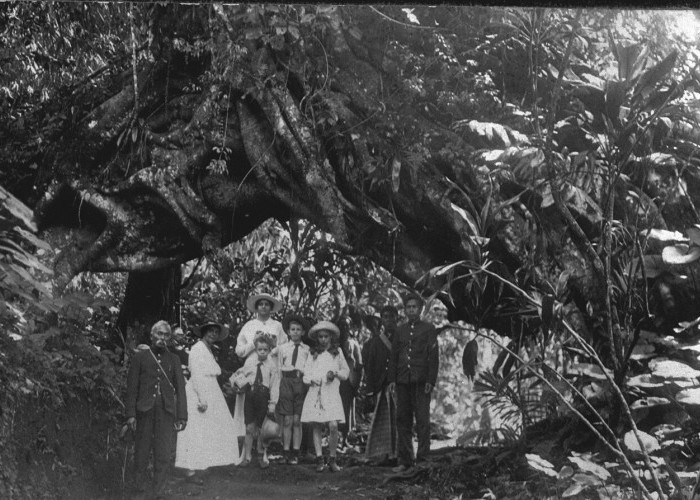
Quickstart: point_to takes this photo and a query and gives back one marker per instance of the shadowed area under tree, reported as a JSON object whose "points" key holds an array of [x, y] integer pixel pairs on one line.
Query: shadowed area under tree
{"points": [[512, 159]]}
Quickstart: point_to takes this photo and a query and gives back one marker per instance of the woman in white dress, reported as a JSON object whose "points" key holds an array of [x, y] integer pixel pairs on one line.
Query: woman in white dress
{"points": [[323, 371], [208, 440], [262, 305]]}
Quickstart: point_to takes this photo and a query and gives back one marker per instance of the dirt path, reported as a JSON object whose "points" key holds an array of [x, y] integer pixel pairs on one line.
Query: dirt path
{"points": [[287, 482]]}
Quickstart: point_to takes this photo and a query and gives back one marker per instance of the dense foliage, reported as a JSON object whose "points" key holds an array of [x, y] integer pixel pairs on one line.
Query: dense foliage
{"points": [[535, 168]]}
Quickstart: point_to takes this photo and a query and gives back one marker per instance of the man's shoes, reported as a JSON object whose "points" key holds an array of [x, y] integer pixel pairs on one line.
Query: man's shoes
{"points": [[333, 465], [320, 464], [400, 468], [293, 458], [264, 463], [244, 463]]}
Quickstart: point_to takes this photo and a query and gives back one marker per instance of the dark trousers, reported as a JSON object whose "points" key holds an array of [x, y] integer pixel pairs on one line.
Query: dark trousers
{"points": [[347, 397], [155, 429], [411, 400]]}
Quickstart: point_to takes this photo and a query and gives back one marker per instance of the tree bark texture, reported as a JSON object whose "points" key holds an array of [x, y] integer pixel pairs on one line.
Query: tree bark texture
{"points": [[285, 132], [150, 296]]}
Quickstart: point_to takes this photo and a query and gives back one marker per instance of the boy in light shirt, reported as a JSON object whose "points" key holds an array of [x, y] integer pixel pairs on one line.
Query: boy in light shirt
{"points": [[259, 377], [291, 358]]}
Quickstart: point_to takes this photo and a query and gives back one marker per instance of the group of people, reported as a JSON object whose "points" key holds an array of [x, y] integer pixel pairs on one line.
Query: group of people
{"points": [[282, 384]]}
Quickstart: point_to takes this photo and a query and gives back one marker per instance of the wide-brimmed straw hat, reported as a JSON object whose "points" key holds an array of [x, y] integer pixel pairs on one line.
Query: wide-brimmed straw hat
{"points": [[254, 298], [223, 330], [324, 325]]}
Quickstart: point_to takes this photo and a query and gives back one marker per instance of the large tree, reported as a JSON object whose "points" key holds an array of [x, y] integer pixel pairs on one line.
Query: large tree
{"points": [[416, 137]]}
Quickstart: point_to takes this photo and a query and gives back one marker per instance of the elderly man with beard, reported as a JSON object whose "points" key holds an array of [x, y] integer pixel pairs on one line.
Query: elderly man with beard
{"points": [[156, 406]]}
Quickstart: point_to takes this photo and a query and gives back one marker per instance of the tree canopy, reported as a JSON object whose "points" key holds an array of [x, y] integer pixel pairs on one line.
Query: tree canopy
{"points": [[538, 143], [533, 167]]}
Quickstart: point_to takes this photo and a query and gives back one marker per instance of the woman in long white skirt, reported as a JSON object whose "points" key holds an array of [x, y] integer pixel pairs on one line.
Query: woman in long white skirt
{"points": [[209, 439]]}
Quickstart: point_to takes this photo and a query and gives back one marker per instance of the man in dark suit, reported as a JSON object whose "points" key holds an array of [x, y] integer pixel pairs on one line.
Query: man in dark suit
{"points": [[156, 406], [413, 369]]}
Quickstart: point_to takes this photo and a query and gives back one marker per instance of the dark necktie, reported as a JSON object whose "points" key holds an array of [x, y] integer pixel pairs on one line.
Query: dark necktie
{"points": [[258, 375], [294, 355]]}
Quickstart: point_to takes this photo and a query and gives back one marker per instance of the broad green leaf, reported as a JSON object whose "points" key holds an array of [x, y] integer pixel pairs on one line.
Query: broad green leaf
{"points": [[655, 74], [573, 490], [661, 159], [589, 370], [585, 479], [9, 205], [680, 254], [650, 443], [540, 464], [689, 396], [644, 381], [627, 60], [467, 217], [663, 235], [31, 238], [590, 466], [615, 92], [643, 351], [440, 271], [649, 402], [674, 370]]}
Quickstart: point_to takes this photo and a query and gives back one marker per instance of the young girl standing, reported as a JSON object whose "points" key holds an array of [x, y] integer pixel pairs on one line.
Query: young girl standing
{"points": [[324, 370]]}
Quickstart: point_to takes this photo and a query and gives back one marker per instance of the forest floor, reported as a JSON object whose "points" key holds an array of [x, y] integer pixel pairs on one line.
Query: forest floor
{"points": [[287, 482], [357, 480]]}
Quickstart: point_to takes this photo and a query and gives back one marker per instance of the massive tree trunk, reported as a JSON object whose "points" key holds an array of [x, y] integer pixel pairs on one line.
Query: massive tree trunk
{"points": [[208, 144], [150, 296], [213, 164]]}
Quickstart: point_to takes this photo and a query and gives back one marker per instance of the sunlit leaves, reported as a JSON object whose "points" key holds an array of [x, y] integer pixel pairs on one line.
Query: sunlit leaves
{"points": [[490, 135]]}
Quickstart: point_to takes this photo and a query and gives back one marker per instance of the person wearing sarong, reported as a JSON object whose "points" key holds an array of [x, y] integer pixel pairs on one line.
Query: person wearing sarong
{"points": [[381, 439], [262, 305]]}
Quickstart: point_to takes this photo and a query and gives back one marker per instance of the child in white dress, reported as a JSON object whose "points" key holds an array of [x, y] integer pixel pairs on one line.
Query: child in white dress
{"points": [[324, 370]]}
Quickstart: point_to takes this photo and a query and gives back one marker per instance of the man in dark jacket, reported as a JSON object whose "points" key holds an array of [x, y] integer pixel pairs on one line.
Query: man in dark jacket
{"points": [[156, 405], [413, 369]]}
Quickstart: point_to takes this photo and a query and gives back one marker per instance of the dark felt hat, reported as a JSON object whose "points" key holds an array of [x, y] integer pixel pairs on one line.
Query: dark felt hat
{"points": [[223, 330]]}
